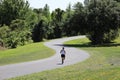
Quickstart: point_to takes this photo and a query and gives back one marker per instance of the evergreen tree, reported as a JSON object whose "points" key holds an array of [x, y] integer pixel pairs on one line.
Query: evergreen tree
{"points": [[57, 22], [12, 9], [102, 21]]}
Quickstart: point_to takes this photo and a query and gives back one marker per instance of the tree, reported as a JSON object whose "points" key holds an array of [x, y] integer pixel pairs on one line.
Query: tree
{"points": [[86, 2], [46, 12], [102, 21], [12, 9], [42, 29], [20, 19], [76, 23], [18, 35], [68, 14], [57, 21], [117, 0], [31, 19], [4, 32], [69, 11], [37, 34], [15, 35]]}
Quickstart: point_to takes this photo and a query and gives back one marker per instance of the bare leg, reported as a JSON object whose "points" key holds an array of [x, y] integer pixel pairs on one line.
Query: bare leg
{"points": [[63, 60]]}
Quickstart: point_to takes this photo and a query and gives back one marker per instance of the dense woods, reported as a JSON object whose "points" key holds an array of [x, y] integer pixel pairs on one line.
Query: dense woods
{"points": [[20, 24]]}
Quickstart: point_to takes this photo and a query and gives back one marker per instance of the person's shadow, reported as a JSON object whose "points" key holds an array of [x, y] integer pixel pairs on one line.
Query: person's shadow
{"points": [[59, 64]]}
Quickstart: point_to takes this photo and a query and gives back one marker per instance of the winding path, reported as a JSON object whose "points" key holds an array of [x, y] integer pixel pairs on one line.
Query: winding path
{"points": [[73, 56]]}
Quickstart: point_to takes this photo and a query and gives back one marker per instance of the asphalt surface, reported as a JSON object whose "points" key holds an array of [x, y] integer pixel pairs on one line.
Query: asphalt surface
{"points": [[73, 56]]}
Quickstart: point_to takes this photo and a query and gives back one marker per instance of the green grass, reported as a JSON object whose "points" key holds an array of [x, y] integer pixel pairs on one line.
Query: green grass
{"points": [[103, 64], [25, 53]]}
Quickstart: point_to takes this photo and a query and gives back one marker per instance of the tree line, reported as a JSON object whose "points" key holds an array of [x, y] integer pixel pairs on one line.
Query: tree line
{"points": [[20, 24]]}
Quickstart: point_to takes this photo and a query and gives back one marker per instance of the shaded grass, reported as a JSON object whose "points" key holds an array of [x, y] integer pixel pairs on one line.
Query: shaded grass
{"points": [[25, 53], [103, 64], [86, 43]]}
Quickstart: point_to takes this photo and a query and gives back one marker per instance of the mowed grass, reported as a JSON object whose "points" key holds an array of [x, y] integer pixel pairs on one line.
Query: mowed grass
{"points": [[103, 64], [25, 53]]}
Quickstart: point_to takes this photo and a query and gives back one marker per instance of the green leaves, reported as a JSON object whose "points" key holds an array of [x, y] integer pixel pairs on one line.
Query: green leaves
{"points": [[99, 19], [12, 9], [4, 32], [20, 20], [57, 22], [102, 21]]}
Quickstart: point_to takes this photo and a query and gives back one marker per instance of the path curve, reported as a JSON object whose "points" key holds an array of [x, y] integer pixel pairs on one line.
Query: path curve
{"points": [[73, 56]]}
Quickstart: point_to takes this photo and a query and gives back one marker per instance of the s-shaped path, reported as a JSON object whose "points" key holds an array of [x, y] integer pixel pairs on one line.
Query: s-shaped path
{"points": [[73, 56]]}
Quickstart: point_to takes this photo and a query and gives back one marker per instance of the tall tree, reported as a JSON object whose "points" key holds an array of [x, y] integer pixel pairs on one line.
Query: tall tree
{"points": [[46, 11], [67, 16], [76, 23], [57, 20], [103, 21], [20, 19], [69, 11], [38, 32], [12, 9], [42, 28]]}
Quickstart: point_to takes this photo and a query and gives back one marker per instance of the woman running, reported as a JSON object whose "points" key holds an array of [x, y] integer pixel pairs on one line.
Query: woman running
{"points": [[63, 52]]}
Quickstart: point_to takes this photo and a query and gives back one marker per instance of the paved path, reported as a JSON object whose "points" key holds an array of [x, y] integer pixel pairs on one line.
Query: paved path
{"points": [[73, 56]]}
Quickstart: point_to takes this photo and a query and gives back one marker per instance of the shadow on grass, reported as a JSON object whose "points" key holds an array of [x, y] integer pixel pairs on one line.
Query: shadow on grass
{"points": [[89, 45]]}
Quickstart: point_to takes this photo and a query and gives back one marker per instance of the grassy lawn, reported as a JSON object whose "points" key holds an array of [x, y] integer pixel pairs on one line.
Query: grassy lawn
{"points": [[25, 53], [104, 64]]}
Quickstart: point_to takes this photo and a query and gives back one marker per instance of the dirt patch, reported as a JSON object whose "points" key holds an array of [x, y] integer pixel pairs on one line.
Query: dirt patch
{"points": [[2, 48]]}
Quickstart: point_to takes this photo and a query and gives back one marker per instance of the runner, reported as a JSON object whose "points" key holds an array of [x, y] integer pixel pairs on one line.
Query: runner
{"points": [[63, 52]]}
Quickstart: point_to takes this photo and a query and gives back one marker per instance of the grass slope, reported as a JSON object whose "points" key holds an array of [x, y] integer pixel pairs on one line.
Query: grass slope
{"points": [[104, 64], [28, 52]]}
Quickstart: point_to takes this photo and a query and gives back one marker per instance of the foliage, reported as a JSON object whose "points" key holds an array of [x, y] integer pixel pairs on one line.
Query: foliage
{"points": [[102, 21], [4, 32], [57, 22], [68, 14], [38, 32], [20, 21], [117, 0], [99, 19], [18, 34], [77, 22], [31, 19], [42, 29], [11, 10]]}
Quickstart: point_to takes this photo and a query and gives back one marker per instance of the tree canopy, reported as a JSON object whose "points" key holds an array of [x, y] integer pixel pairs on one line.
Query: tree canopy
{"points": [[20, 24], [103, 21]]}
